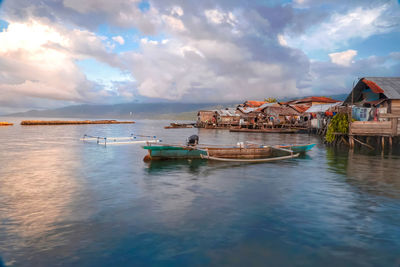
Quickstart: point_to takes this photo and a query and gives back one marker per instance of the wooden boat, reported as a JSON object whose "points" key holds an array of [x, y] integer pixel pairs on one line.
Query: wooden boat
{"points": [[242, 152], [267, 130], [298, 148]]}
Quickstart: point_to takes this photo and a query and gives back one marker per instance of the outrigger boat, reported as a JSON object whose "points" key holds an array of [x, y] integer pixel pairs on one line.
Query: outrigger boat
{"points": [[239, 153], [132, 139]]}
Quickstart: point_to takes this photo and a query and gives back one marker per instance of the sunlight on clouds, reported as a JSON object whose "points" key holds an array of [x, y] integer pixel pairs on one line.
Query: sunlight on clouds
{"points": [[281, 40], [119, 39], [40, 62], [218, 17], [344, 58], [173, 23]]}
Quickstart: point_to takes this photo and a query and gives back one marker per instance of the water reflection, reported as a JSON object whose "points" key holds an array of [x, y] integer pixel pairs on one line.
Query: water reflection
{"points": [[36, 190], [63, 202], [367, 170], [192, 166]]}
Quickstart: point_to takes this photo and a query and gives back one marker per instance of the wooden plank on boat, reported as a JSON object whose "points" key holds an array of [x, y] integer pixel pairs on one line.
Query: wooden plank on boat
{"points": [[259, 160]]}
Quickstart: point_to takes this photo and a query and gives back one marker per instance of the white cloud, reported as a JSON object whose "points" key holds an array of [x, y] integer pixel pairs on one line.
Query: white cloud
{"points": [[119, 39], [344, 58], [341, 28], [177, 11], [281, 40], [216, 16], [39, 61], [173, 23]]}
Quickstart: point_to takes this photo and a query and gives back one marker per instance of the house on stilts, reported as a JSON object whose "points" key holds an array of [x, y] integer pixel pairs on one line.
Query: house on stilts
{"points": [[375, 109]]}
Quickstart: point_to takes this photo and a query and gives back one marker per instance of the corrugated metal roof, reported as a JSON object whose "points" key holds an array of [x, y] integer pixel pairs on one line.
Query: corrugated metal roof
{"points": [[390, 85], [228, 112], [267, 105], [322, 107], [246, 109], [313, 99]]}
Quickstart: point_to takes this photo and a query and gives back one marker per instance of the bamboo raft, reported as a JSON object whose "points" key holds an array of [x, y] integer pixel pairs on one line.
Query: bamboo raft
{"points": [[36, 122], [4, 123], [179, 125]]}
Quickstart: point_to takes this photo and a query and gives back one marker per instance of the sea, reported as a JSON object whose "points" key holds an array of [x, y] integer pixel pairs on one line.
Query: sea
{"points": [[66, 202]]}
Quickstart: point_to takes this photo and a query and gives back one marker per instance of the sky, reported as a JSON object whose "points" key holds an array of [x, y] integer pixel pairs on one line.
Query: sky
{"points": [[55, 53]]}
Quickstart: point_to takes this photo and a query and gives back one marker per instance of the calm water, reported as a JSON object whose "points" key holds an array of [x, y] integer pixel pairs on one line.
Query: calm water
{"points": [[67, 203]]}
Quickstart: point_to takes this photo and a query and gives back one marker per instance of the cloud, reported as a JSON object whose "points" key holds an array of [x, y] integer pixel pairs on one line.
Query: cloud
{"points": [[185, 50], [119, 39], [39, 61], [340, 28], [344, 58]]}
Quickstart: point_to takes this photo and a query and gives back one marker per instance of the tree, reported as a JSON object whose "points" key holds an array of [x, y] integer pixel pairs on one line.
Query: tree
{"points": [[270, 100]]}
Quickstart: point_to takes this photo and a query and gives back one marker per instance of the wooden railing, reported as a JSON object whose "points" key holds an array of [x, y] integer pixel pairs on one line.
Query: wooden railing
{"points": [[377, 128]]}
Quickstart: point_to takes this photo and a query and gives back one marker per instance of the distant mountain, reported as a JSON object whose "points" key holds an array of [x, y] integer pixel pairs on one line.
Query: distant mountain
{"points": [[125, 111], [164, 110]]}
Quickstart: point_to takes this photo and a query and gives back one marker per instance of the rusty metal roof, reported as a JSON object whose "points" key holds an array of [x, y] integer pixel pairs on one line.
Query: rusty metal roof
{"points": [[389, 85], [283, 111], [254, 104]]}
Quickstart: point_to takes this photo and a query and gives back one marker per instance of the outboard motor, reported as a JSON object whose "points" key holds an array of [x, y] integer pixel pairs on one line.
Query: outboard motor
{"points": [[193, 140]]}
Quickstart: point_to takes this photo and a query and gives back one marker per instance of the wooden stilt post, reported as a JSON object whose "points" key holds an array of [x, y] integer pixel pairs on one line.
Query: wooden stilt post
{"points": [[383, 143], [351, 141]]}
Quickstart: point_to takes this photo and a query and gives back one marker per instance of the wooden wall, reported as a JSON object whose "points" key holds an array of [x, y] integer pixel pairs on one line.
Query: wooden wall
{"points": [[396, 106], [371, 128]]}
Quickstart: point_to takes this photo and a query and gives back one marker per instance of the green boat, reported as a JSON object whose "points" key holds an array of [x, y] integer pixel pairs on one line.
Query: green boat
{"points": [[173, 152], [298, 148], [240, 151]]}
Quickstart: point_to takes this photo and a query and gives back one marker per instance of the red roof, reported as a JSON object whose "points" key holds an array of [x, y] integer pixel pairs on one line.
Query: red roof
{"points": [[300, 108], [374, 87], [254, 104], [310, 99]]}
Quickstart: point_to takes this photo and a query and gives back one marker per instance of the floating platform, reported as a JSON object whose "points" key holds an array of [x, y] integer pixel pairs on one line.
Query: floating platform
{"points": [[75, 122], [4, 123], [179, 125], [271, 130]]}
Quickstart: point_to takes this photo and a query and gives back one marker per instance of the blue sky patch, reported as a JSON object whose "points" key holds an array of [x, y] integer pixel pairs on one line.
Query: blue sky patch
{"points": [[3, 23], [101, 72], [144, 6]]}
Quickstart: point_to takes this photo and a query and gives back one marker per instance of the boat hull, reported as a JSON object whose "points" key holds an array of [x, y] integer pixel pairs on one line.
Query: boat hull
{"points": [[174, 152], [298, 148]]}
